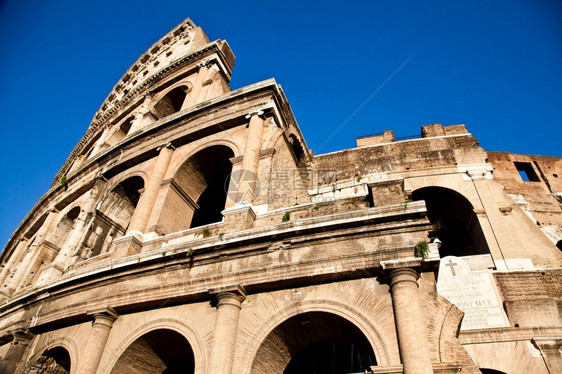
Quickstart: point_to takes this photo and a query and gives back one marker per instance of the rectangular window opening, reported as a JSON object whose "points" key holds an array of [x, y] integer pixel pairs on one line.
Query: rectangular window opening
{"points": [[527, 172]]}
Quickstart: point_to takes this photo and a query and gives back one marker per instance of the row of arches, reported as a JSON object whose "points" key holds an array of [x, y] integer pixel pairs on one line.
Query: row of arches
{"points": [[309, 343], [194, 197], [170, 102], [204, 178]]}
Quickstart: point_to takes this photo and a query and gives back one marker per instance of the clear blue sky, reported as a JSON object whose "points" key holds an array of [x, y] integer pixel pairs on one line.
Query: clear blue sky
{"points": [[495, 66]]}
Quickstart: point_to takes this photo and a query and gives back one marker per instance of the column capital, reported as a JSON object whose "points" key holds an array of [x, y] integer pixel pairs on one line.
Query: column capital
{"points": [[401, 275], [22, 336], [167, 145], [228, 295], [104, 315], [253, 113]]}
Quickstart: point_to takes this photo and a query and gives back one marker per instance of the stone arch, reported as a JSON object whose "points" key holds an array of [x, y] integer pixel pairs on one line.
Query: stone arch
{"points": [[454, 222], [113, 214], [60, 353], [64, 226], [90, 146], [196, 194], [171, 102], [174, 328], [121, 130], [298, 149], [352, 316]]}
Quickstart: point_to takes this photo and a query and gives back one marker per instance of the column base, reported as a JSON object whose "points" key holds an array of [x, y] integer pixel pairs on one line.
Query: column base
{"points": [[127, 245], [51, 271], [239, 217]]}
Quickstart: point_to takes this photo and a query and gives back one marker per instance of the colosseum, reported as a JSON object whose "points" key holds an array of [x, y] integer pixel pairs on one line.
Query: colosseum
{"points": [[191, 230]]}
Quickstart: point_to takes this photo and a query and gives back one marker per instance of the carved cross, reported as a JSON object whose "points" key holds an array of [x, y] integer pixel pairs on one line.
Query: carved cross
{"points": [[452, 265]]}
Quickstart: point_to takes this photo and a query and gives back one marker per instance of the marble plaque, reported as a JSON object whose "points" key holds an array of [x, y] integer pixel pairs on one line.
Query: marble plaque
{"points": [[473, 292]]}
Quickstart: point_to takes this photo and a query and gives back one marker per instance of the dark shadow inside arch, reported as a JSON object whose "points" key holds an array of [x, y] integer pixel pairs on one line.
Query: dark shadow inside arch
{"points": [[314, 342], [491, 371], [160, 351], [171, 102], [454, 222], [211, 169], [111, 220], [54, 360]]}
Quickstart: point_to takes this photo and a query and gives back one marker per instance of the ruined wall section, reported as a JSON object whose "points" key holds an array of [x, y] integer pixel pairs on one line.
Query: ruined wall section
{"points": [[437, 149], [534, 183]]}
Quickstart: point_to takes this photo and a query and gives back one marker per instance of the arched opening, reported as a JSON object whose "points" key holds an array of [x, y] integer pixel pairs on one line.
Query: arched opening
{"points": [[454, 222], [171, 102], [559, 245], [64, 227], [122, 131], [196, 195], [112, 218], [491, 371], [297, 149], [91, 145], [314, 342], [53, 361], [159, 351]]}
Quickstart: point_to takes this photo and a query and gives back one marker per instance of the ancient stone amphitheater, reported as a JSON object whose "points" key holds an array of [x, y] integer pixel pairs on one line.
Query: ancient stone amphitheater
{"points": [[191, 230]]}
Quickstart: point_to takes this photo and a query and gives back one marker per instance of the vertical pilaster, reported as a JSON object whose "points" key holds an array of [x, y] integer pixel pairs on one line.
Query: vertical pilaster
{"points": [[250, 162], [95, 345], [33, 255], [100, 143], [74, 239], [193, 96], [410, 324], [14, 355], [146, 202], [11, 264], [142, 118], [229, 302], [550, 349]]}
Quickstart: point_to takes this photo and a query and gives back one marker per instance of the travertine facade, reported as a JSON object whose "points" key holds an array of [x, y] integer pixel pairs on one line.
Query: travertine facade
{"points": [[191, 230]]}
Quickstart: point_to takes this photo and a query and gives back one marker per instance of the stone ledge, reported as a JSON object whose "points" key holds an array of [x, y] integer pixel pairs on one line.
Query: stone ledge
{"points": [[508, 334]]}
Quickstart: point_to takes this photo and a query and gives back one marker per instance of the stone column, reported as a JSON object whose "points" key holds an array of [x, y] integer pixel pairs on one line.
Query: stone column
{"points": [[410, 324], [550, 349], [33, 255], [12, 263], [143, 117], [92, 352], [99, 143], [146, 202], [74, 239], [192, 96], [14, 355], [250, 162], [229, 302]]}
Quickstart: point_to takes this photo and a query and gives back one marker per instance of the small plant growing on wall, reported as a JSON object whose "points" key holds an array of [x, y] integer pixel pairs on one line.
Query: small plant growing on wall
{"points": [[421, 249], [189, 253], [63, 182], [205, 232], [221, 236], [286, 217]]}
